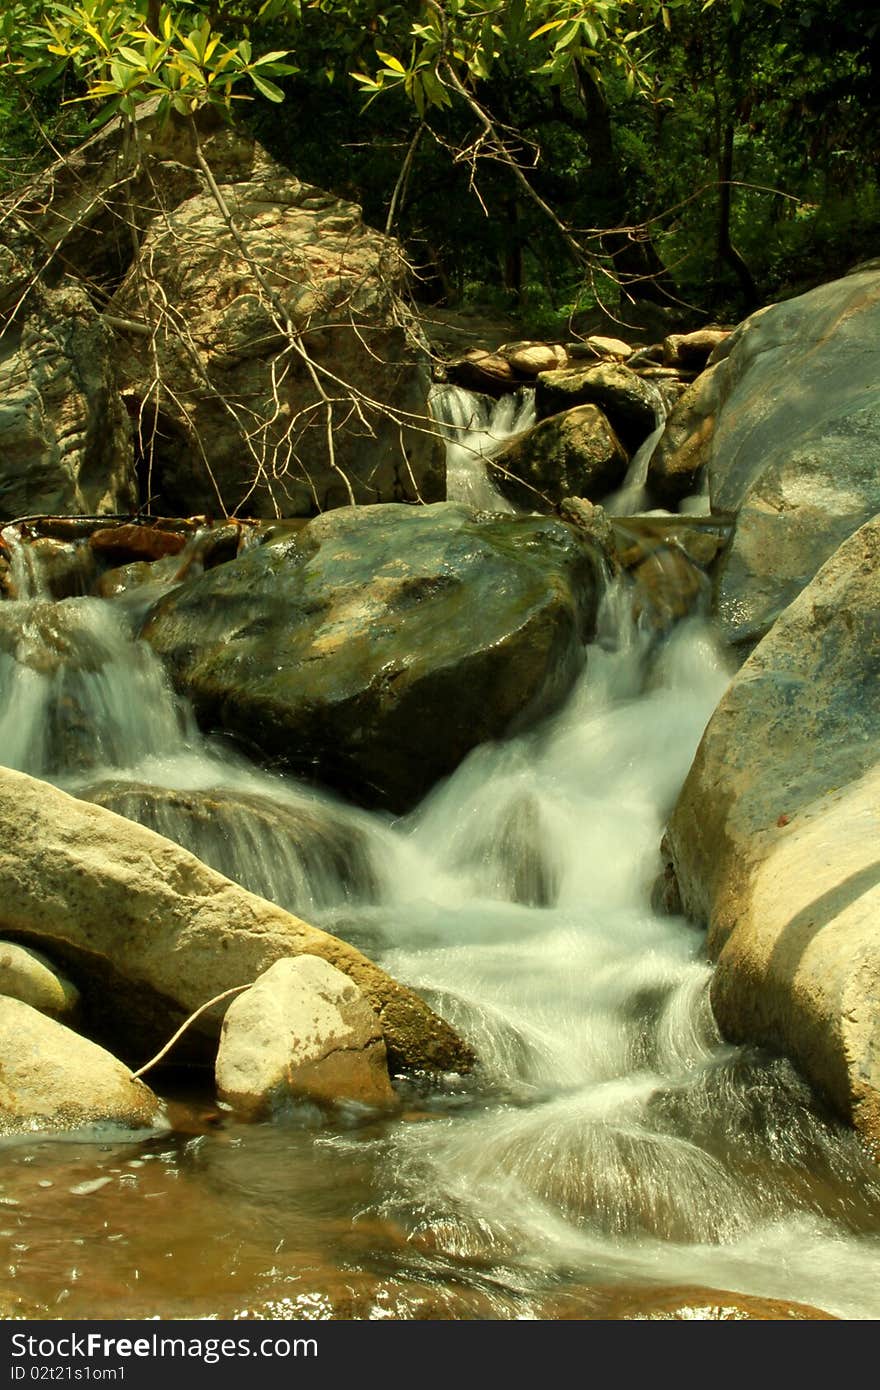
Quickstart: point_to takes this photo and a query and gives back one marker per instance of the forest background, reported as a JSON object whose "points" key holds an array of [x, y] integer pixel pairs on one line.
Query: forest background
{"points": [[539, 158]]}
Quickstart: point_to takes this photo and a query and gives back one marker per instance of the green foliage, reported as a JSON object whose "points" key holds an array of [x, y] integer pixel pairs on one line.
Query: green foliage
{"points": [[121, 60]]}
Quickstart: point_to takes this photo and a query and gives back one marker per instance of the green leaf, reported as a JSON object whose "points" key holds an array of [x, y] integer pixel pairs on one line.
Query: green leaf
{"points": [[391, 62], [267, 88]]}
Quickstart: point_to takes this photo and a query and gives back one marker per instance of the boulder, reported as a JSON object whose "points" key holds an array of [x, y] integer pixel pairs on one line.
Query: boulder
{"points": [[154, 933], [632, 405], [30, 977], [65, 438], [303, 1031], [52, 1080], [787, 424], [285, 318], [573, 454], [774, 836], [257, 334], [683, 449], [380, 645]]}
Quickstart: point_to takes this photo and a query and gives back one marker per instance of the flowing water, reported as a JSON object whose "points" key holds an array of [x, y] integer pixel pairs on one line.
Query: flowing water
{"points": [[611, 1142]]}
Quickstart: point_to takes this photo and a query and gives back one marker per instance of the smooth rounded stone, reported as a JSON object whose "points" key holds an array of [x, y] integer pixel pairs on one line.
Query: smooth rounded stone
{"points": [[667, 586], [31, 977], [304, 855], [382, 644], [632, 405], [693, 350], [573, 454], [529, 358], [125, 579], [65, 438], [787, 425], [53, 1080], [774, 837], [303, 1031], [593, 522], [154, 933]]}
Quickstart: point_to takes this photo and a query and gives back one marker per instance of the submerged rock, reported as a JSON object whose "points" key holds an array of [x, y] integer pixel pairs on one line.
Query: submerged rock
{"points": [[155, 933], [31, 977], [303, 1031], [573, 454], [382, 644], [774, 837], [52, 1080]]}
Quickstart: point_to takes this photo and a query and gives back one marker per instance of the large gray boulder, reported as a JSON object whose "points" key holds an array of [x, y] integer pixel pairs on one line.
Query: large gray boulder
{"points": [[787, 423], [65, 438], [303, 1031], [154, 933], [380, 645], [774, 838], [52, 1080]]}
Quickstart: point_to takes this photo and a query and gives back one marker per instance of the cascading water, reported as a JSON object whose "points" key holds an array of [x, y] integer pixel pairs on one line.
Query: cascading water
{"points": [[610, 1138], [475, 427]]}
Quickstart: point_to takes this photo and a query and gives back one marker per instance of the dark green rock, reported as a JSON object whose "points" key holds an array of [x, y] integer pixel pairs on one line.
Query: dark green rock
{"points": [[573, 454], [631, 404], [379, 646]]}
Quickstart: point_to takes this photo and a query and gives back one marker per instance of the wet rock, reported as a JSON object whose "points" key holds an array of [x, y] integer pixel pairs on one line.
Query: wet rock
{"points": [[304, 856], [592, 521], [65, 438], [31, 977], [684, 447], [668, 586], [52, 1080], [125, 579], [631, 404], [774, 837], [382, 644], [133, 542], [575, 453], [154, 933], [304, 1031], [60, 569], [684, 1303]]}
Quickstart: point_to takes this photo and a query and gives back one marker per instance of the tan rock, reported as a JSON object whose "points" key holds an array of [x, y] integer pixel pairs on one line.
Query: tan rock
{"points": [[693, 350], [155, 933], [51, 1079], [529, 358], [304, 1031], [774, 837], [29, 976]]}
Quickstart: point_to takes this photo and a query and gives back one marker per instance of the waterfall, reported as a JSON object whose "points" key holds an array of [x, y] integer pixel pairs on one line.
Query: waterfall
{"points": [[611, 1134], [475, 427]]}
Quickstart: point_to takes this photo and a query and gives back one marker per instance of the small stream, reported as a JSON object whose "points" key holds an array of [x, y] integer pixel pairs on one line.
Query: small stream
{"points": [[613, 1142]]}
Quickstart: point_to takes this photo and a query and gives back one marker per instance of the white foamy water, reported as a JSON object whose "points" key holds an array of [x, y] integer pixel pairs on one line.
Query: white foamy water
{"points": [[610, 1135], [475, 427]]}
